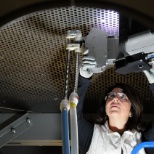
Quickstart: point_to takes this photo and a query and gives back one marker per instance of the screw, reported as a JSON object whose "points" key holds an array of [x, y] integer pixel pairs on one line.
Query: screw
{"points": [[13, 130], [28, 120]]}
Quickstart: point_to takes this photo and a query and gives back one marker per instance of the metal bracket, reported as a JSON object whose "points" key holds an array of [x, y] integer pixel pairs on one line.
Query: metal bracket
{"points": [[13, 127], [134, 63], [103, 48], [96, 42]]}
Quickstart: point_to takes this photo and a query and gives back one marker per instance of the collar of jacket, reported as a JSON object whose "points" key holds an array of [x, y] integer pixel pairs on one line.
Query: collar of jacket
{"points": [[130, 132]]}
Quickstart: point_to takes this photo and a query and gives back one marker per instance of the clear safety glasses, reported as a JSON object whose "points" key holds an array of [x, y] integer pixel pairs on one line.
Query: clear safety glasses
{"points": [[111, 95]]}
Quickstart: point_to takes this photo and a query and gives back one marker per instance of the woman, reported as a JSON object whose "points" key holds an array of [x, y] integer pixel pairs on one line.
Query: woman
{"points": [[120, 131]]}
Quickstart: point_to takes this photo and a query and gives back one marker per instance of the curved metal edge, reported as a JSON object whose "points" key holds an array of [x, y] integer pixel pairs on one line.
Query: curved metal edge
{"points": [[10, 10]]}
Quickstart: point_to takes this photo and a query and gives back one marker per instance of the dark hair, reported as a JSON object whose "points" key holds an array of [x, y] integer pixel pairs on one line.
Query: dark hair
{"points": [[134, 122]]}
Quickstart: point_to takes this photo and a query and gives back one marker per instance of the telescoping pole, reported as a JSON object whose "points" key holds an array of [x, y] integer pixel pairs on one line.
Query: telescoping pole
{"points": [[64, 107], [73, 98]]}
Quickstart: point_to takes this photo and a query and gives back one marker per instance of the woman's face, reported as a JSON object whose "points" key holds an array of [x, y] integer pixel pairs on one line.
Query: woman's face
{"points": [[118, 104]]}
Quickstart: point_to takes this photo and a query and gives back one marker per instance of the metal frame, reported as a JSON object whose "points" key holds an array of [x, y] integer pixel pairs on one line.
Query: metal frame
{"points": [[45, 129], [13, 127]]}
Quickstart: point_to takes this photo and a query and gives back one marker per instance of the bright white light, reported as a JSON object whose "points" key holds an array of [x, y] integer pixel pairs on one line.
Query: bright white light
{"points": [[109, 22]]}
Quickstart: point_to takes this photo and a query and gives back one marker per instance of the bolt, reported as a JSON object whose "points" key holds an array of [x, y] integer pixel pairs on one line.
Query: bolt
{"points": [[13, 130], [28, 120]]}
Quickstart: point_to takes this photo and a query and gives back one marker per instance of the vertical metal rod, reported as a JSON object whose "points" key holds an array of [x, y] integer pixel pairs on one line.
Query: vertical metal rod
{"points": [[67, 74], [76, 71]]}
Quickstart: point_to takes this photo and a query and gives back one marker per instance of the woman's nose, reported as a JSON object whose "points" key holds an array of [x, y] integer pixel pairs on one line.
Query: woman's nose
{"points": [[116, 99]]}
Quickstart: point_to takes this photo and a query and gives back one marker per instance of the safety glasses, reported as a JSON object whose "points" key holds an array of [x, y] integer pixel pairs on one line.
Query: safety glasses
{"points": [[111, 95]]}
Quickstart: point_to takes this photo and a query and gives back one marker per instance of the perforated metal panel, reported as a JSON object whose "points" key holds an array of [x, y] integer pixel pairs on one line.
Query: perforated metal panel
{"points": [[33, 56]]}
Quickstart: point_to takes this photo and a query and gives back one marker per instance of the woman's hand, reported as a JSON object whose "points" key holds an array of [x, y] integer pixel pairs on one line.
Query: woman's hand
{"points": [[88, 63]]}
